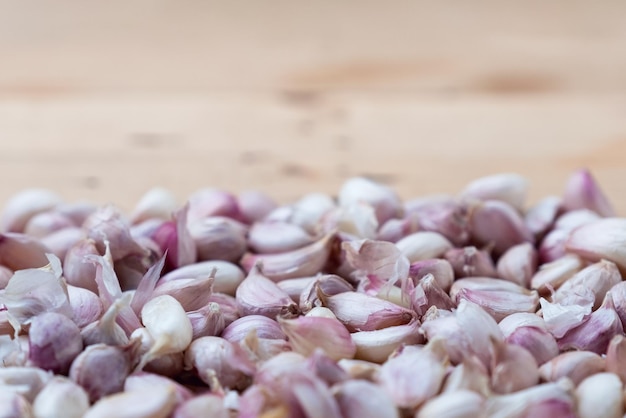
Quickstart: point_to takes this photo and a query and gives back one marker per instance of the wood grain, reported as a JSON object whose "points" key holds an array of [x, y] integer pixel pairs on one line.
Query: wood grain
{"points": [[104, 100]]}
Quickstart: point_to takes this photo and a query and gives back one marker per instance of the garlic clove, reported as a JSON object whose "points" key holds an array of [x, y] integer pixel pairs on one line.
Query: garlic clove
{"points": [[153, 402], [203, 405], [394, 230], [363, 399], [61, 397], [19, 251], [601, 239], [356, 221], [5, 276], [175, 238], [479, 328], [86, 306], [441, 270], [305, 261], [26, 204], [26, 381], [583, 192], [306, 333], [459, 404], [361, 312], [156, 203], [382, 198], [101, 370], [78, 211], [359, 369], [520, 404], [471, 262], [618, 294], [575, 218], [320, 311], [277, 237], [45, 223], [325, 368], [218, 238], [13, 405], [76, 270], [260, 350], [255, 205], [397, 377], [379, 259], [595, 333], [309, 210], [228, 306], [542, 216], [616, 357], [509, 188], [258, 295], [262, 325], [208, 320], [227, 276], [192, 294], [170, 364], [561, 318], [105, 330], [598, 277], [212, 202], [294, 287], [600, 395], [423, 246], [538, 341], [552, 246], [376, 346], [518, 264], [513, 368], [497, 224], [141, 380], [555, 273], [60, 242], [166, 321], [447, 217], [329, 285], [470, 375], [427, 293], [54, 341], [575, 365], [219, 363]]}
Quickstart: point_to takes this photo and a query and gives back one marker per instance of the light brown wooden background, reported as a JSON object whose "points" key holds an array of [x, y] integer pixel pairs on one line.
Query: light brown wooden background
{"points": [[101, 100]]}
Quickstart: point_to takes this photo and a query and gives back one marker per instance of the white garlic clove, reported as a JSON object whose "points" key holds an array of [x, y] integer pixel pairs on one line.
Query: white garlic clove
{"points": [[141, 380], [86, 306], [262, 325], [306, 333], [27, 381], [363, 399], [61, 241], [560, 318], [156, 203], [600, 395], [427, 293], [523, 403], [382, 198], [202, 405], [575, 365], [295, 287], [153, 402], [518, 264], [26, 204], [395, 229], [227, 276], [45, 223], [616, 357], [469, 375], [459, 404], [305, 261], [309, 210], [13, 405], [61, 397], [105, 330], [277, 237], [583, 192], [76, 270], [423, 246], [510, 188], [555, 273], [376, 346], [542, 216], [601, 239], [258, 295], [255, 205]]}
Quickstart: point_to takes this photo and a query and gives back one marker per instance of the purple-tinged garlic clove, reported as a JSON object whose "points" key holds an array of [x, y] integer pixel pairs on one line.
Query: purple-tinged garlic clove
{"points": [[361, 312], [522, 403], [461, 404], [54, 341], [599, 277], [427, 293], [560, 318], [76, 270], [228, 306], [441, 270], [596, 332], [152, 402], [447, 217], [61, 241], [26, 204], [14, 405], [277, 237], [295, 287], [383, 199], [309, 211], [227, 276], [45, 223], [395, 229], [175, 238], [518, 264], [471, 262], [19, 251], [423, 246], [86, 305], [616, 357], [307, 333], [363, 399], [513, 368], [212, 202], [552, 246], [305, 261], [538, 341], [554, 274], [264, 327], [495, 223], [255, 205], [61, 397], [583, 192], [541, 217], [5, 275], [575, 365], [509, 188], [202, 405], [101, 370], [618, 293], [218, 238], [600, 395], [78, 211], [105, 330], [207, 321], [376, 346], [192, 294], [470, 375], [258, 295], [156, 203], [219, 363], [601, 239]]}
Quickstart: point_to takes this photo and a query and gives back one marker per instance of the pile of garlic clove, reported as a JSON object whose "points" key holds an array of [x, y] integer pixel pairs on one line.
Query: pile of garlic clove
{"points": [[356, 306]]}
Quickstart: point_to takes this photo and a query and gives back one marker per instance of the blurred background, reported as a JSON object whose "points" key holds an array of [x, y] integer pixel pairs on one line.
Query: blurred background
{"points": [[103, 100]]}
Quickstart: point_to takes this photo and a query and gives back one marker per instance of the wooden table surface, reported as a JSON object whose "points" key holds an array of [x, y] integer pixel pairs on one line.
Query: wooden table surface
{"points": [[103, 100]]}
